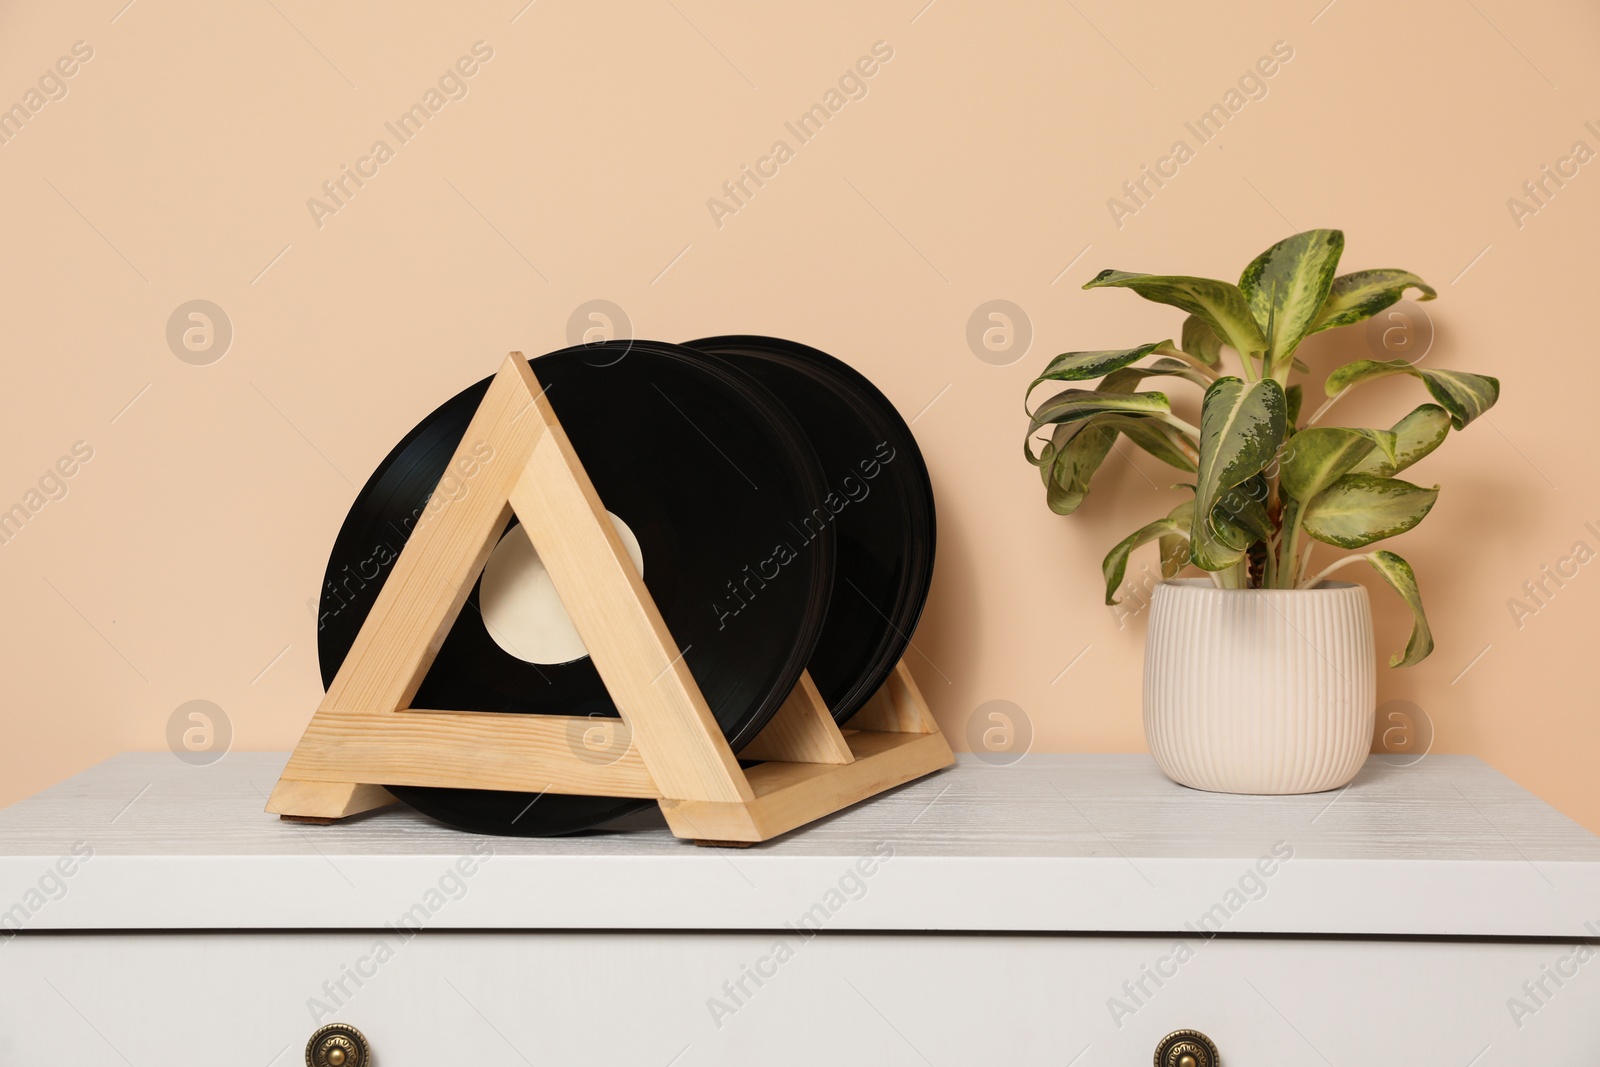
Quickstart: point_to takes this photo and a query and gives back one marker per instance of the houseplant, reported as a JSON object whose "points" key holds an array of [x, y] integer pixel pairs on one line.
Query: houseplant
{"points": [[1261, 679]]}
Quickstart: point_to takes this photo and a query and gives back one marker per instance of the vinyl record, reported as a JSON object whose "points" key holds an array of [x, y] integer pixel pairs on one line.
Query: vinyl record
{"points": [[879, 502], [702, 467]]}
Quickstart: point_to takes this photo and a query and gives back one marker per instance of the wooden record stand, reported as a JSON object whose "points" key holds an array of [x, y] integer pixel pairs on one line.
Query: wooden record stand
{"points": [[672, 751]]}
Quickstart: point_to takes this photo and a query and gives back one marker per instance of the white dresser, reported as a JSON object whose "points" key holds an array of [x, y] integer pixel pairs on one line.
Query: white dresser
{"points": [[1065, 910]]}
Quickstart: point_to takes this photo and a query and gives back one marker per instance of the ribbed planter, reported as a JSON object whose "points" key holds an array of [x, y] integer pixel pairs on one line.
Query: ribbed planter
{"points": [[1259, 690]]}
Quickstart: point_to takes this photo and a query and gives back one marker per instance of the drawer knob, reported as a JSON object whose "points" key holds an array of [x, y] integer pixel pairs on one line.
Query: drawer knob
{"points": [[338, 1045], [1187, 1048]]}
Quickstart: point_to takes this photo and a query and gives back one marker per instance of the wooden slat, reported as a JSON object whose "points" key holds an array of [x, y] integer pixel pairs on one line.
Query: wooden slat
{"points": [[444, 555], [640, 663], [897, 707], [802, 731], [788, 795], [481, 750]]}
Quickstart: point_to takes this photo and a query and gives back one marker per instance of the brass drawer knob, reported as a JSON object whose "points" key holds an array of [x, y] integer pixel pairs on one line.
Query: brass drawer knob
{"points": [[1187, 1048], [338, 1045]]}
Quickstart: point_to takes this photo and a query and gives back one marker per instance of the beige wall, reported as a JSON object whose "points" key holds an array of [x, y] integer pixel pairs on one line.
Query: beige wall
{"points": [[578, 166]]}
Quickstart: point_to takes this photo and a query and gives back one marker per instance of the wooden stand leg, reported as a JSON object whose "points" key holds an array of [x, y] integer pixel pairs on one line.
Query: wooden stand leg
{"points": [[325, 801]]}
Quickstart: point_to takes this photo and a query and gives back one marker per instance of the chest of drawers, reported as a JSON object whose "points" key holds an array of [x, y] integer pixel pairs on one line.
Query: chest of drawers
{"points": [[1063, 910]]}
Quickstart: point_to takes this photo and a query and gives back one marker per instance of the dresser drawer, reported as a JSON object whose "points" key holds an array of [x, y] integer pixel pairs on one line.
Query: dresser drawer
{"points": [[784, 998]]}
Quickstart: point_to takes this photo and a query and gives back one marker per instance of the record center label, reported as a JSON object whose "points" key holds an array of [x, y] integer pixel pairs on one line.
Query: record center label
{"points": [[521, 609]]}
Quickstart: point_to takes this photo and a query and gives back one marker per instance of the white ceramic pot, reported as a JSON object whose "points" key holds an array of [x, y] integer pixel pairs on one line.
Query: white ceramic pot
{"points": [[1259, 690]]}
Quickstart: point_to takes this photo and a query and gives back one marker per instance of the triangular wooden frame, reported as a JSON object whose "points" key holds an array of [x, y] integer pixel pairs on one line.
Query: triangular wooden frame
{"points": [[515, 458]]}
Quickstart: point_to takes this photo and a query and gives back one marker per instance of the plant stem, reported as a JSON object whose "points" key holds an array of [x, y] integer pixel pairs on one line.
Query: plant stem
{"points": [[1232, 577], [1172, 420], [1329, 569], [1305, 562], [1289, 543], [1326, 404], [1184, 357], [1248, 361], [1275, 515]]}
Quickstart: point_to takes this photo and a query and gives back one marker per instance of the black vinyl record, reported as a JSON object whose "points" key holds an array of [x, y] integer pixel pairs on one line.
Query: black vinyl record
{"points": [[704, 466], [879, 502]]}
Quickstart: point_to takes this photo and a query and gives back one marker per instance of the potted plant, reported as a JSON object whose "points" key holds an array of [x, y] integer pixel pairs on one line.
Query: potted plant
{"points": [[1261, 679]]}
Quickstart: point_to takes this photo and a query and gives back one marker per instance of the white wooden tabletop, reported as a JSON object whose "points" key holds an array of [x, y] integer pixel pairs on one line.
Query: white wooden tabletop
{"points": [[1090, 843]]}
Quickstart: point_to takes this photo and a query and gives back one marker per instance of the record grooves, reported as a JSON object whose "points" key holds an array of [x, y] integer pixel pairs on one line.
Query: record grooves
{"points": [[879, 501]]}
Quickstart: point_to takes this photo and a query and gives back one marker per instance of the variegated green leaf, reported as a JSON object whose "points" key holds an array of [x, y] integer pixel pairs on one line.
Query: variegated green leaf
{"points": [[1074, 405], [1365, 370], [1286, 286], [1293, 396], [1416, 435], [1115, 565], [1167, 443], [1058, 440], [1359, 509], [1241, 427], [1063, 501], [1064, 493], [1398, 573], [1465, 396], [1174, 549], [1051, 450], [1240, 517], [1084, 366], [1128, 378], [1219, 305], [1315, 457], [1359, 296], [1075, 462], [1201, 341], [1077, 449]]}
